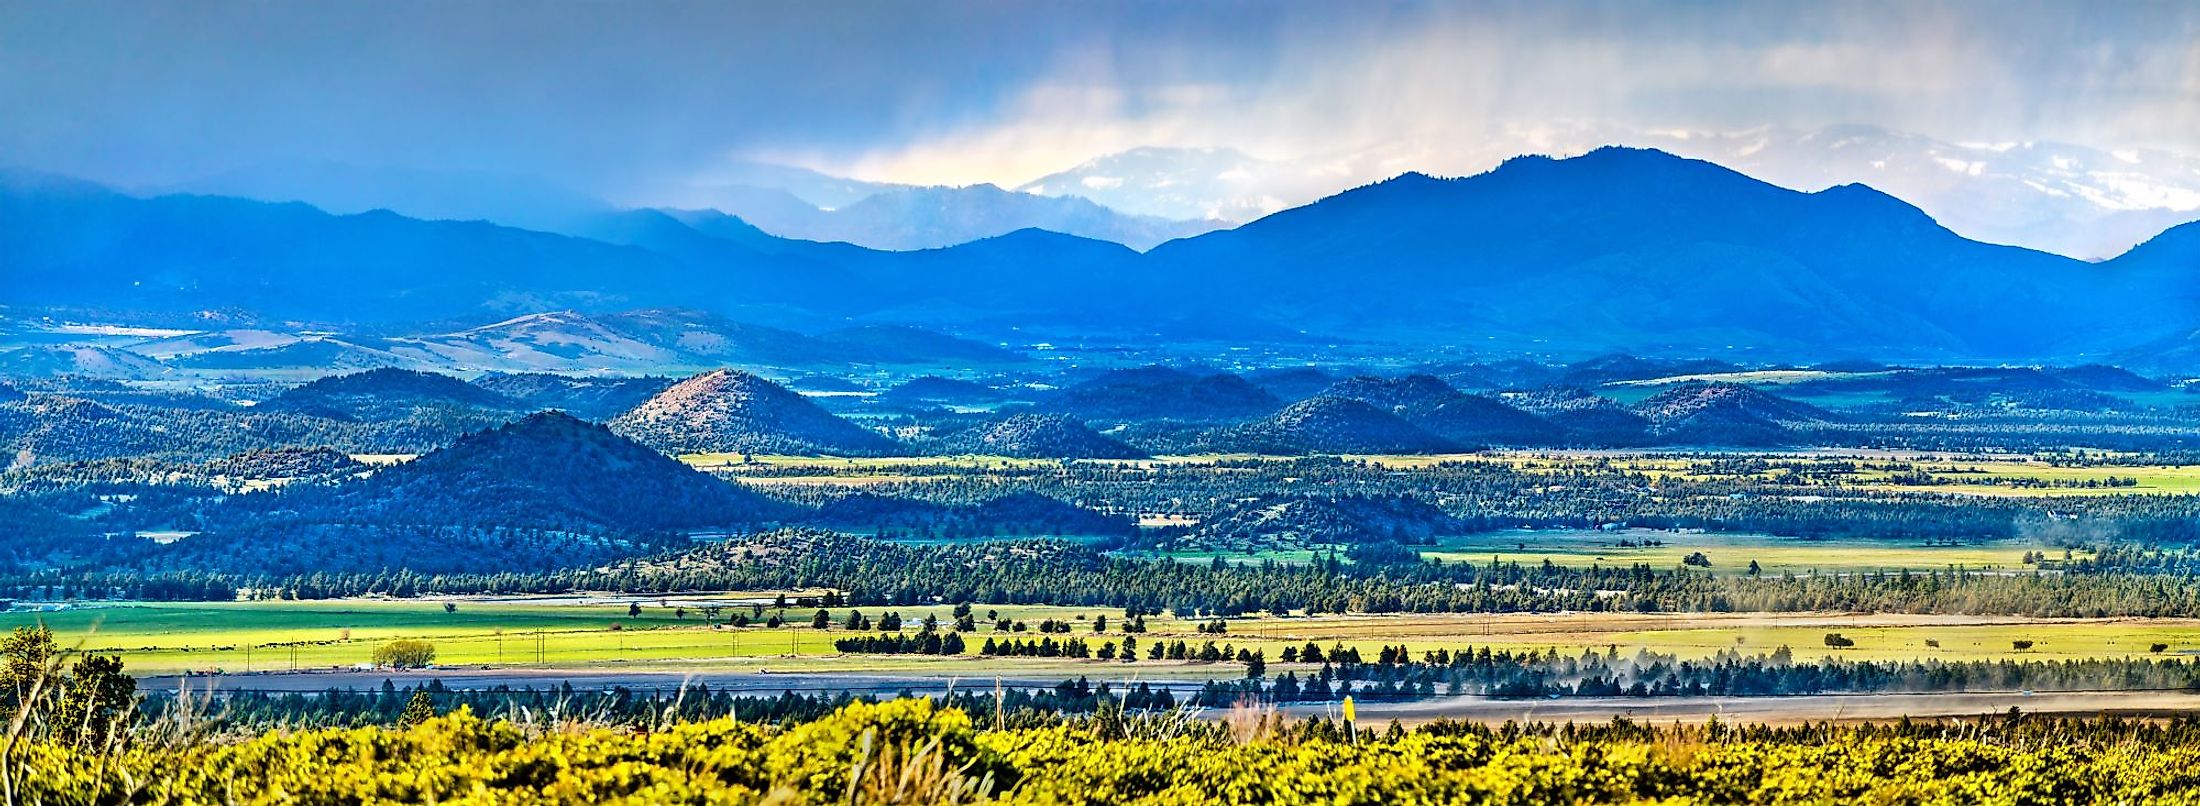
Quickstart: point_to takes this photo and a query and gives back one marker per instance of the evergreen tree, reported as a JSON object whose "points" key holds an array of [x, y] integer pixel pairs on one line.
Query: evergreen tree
{"points": [[420, 708]]}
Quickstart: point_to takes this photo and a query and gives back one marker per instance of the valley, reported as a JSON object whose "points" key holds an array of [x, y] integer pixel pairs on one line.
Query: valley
{"points": [[939, 403]]}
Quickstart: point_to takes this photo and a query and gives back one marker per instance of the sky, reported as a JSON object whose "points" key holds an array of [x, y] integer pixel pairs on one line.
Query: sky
{"points": [[612, 97]]}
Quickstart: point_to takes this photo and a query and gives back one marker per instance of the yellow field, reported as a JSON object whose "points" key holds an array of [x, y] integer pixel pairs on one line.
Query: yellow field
{"points": [[2151, 478], [1729, 554]]}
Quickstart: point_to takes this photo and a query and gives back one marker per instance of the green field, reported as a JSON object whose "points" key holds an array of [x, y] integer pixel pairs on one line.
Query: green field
{"points": [[268, 636], [263, 636], [2151, 478]]}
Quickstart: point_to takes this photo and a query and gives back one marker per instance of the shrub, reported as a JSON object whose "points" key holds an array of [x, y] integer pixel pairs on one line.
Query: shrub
{"points": [[909, 751], [405, 653]]}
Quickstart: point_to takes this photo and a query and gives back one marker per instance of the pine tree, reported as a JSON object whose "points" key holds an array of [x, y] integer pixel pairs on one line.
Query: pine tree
{"points": [[420, 709]]}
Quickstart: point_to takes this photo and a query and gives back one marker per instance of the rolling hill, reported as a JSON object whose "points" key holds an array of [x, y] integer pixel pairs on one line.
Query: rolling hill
{"points": [[1584, 418], [584, 397], [1456, 416], [1699, 413], [80, 361], [323, 354], [385, 394], [1163, 393], [1325, 424], [1040, 436], [553, 471], [547, 491], [727, 411]]}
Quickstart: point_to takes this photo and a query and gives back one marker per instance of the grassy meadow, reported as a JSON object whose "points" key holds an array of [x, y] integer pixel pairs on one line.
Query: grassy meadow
{"points": [[234, 637]]}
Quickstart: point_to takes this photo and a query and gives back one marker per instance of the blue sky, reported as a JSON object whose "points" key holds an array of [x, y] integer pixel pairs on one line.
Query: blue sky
{"points": [[605, 96]]}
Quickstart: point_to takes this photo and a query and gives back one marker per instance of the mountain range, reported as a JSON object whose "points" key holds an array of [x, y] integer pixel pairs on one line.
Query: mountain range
{"points": [[1619, 249], [909, 218], [787, 202], [646, 341], [2068, 199], [2088, 203]]}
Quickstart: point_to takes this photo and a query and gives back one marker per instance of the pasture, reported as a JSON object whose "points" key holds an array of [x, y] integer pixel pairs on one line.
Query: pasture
{"points": [[598, 635]]}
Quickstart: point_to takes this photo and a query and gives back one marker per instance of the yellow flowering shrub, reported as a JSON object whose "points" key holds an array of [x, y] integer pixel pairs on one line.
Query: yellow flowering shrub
{"points": [[910, 751]]}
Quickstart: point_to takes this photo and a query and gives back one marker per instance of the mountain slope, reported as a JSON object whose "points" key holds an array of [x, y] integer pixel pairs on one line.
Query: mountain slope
{"points": [[1163, 393], [662, 340], [1327, 424], [586, 398], [1436, 407], [80, 361], [547, 491], [553, 471], [1699, 413], [726, 411], [2067, 199], [903, 219], [384, 394], [1584, 418], [72, 243], [325, 354], [1619, 249], [1624, 246], [1041, 436]]}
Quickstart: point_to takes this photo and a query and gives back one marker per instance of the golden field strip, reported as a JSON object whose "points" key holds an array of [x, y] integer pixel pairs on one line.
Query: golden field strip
{"points": [[1971, 474]]}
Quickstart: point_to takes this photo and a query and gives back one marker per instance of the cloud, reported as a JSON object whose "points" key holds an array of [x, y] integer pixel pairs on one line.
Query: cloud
{"points": [[618, 98], [1462, 87]]}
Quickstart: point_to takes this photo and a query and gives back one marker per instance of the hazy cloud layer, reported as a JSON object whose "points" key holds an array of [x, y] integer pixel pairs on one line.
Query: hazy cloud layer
{"points": [[625, 99]]}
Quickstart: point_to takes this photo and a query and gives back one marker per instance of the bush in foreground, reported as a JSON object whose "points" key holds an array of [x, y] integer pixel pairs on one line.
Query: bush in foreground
{"points": [[910, 751]]}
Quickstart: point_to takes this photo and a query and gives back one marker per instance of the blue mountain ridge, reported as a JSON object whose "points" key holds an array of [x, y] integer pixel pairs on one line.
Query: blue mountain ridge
{"points": [[1616, 250]]}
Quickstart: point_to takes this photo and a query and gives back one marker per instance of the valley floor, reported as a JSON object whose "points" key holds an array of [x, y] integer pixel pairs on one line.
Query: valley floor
{"points": [[672, 636]]}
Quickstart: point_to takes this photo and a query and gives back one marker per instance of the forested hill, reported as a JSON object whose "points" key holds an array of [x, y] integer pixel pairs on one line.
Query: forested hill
{"points": [[547, 491], [737, 412], [548, 471]]}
